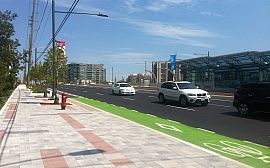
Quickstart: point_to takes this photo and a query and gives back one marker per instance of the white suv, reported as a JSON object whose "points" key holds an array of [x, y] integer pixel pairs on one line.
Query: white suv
{"points": [[123, 89], [185, 92]]}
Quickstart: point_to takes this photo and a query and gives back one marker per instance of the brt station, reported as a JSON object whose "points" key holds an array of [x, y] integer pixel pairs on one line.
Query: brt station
{"points": [[220, 73]]}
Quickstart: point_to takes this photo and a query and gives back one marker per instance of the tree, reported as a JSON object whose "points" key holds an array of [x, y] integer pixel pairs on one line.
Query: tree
{"points": [[9, 55], [61, 67]]}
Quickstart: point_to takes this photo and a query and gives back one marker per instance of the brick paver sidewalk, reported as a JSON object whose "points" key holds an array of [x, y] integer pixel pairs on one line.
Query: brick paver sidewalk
{"points": [[82, 136]]}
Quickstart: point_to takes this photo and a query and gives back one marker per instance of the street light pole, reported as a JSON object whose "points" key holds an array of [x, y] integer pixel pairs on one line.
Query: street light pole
{"points": [[56, 99], [55, 59]]}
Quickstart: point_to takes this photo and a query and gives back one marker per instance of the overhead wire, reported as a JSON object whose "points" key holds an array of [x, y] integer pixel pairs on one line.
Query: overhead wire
{"points": [[26, 39], [44, 28], [43, 14], [60, 26]]}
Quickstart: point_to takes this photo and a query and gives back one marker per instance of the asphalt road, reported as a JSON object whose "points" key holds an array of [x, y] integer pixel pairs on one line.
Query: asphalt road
{"points": [[218, 116]]}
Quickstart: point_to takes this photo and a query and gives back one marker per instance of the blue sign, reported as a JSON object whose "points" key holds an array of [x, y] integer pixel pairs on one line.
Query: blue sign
{"points": [[173, 66], [173, 58]]}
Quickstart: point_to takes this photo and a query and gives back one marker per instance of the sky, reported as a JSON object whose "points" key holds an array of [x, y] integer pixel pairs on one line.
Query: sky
{"points": [[139, 31]]}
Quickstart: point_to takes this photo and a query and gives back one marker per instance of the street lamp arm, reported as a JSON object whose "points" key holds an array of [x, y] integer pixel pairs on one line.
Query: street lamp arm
{"points": [[84, 13]]}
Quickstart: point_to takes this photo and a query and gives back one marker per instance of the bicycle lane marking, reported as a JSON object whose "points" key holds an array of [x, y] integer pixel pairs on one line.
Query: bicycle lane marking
{"points": [[238, 150]]}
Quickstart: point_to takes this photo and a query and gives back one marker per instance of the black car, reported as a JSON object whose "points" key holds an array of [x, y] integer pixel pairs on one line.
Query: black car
{"points": [[252, 97]]}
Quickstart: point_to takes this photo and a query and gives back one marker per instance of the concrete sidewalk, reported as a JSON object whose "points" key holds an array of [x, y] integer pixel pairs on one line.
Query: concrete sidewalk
{"points": [[35, 135]]}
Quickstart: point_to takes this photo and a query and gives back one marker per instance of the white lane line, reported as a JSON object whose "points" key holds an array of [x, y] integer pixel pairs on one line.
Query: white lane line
{"points": [[220, 95], [152, 96], [222, 100], [100, 94], [206, 130], [219, 105], [181, 108], [127, 98], [84, 91], [151, 115], [174, 121], [134, 110], [256, 144]]}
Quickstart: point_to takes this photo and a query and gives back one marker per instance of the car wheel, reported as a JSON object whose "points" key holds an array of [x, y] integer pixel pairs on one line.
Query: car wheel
{"points": [[183, 101], [119, 92], [113, 92], [161, 98], [243, 109]]}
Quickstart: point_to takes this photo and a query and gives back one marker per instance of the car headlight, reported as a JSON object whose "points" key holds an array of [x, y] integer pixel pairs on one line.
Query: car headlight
{"points": [[191, 94]]}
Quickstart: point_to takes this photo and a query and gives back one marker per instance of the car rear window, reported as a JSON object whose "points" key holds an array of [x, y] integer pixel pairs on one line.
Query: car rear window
{"points": [[186, 86], [124, 85]]}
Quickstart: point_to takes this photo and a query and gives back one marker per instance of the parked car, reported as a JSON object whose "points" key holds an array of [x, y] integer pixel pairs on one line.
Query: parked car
{"points": [[252, 97], [186, 93], [123, 89]]}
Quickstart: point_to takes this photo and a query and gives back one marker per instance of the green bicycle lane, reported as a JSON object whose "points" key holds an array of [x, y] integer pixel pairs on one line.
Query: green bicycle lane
{"points": [[242, 151]]}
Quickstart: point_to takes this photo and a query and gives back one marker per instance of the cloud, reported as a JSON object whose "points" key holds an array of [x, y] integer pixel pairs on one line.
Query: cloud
{"points": [[128, 57], [130, 6], [208, 13], [176, 33], [164, 4]]}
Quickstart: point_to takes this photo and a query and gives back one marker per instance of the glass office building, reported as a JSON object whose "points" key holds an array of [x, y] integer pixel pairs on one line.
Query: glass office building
{"points": [[225, 72]]}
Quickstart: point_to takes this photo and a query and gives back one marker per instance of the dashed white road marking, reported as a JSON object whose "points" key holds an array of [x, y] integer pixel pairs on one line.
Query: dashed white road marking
{"points": [[222, 100], [84, 91], [181, 108], [174, 121], [219, 105], [206, 130], [152, 96], [151, 115], [127, 98], [100, 94], [256, 144]]}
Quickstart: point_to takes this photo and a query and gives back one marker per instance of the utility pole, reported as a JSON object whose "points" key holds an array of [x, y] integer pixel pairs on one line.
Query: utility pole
{"points": [[145, 68], [24, 68], [55, 63], [31, 42], [112, 74], [36, 57]]}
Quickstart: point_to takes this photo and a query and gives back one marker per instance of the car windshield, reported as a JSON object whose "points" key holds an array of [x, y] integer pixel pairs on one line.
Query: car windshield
{"points": [[125, 85], [186, 86]]}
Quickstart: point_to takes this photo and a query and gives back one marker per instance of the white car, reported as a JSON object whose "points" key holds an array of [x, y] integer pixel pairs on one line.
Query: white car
{"points": [[184, 92], [123, 89]]}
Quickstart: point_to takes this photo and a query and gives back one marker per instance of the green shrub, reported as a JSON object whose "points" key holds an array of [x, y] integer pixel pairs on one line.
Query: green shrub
{"points": [[39, 88]]}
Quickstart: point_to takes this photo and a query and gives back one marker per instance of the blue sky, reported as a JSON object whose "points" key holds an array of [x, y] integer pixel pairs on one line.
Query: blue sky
{"points": [[148, 30]]}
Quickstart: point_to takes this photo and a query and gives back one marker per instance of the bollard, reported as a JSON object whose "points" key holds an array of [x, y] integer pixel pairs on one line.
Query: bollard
{"points": [[64, 101]]}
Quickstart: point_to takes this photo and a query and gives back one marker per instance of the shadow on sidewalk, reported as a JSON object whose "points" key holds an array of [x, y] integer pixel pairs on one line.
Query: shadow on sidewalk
{"points": [[86, 152], [78, 153]]}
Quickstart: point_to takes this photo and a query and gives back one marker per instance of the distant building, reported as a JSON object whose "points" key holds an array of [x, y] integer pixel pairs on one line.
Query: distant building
{"points": [[139, 79], [219, 73], [86, 73], [161, 71]]}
